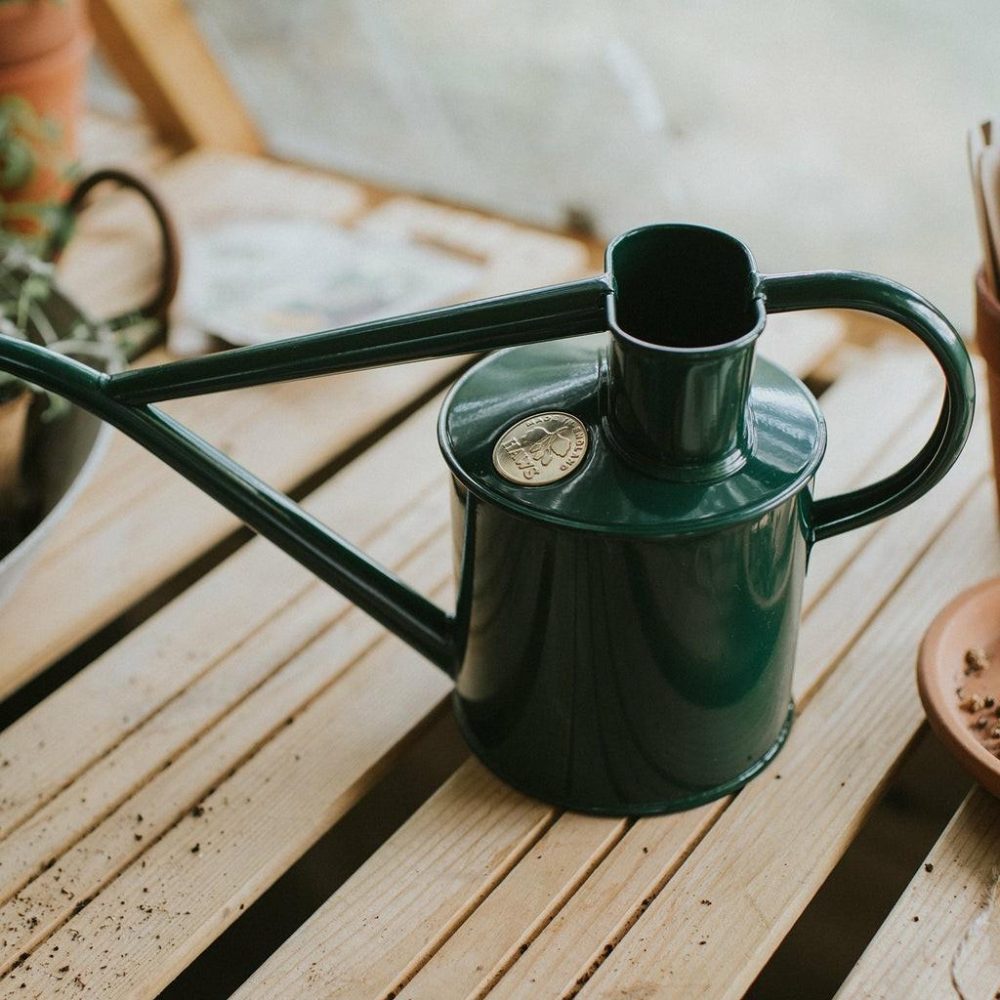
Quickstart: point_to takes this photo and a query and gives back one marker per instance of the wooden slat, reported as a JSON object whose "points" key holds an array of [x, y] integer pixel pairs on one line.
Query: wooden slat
{"points": [[225, 688], [210, 622], [214, 699], [157, 49], [133, 938], [941, 939], [390, 916], [634, 872], [501, 927], [769, 852], [138, 523]]}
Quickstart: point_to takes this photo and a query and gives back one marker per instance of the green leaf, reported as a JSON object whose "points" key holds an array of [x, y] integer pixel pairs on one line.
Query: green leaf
{"points": [[17, 163]]}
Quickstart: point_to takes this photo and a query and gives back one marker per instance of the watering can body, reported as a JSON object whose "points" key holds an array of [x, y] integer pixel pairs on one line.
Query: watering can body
{"points": [[633, 508], [627, 639]]}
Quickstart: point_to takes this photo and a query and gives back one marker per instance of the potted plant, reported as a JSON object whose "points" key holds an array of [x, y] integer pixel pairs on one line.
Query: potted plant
{"points": [[47, 446], [31, 308], [44, 46]]}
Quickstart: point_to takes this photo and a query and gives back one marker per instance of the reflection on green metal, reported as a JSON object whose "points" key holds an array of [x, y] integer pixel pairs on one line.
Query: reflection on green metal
{"points": [[633, 508]]}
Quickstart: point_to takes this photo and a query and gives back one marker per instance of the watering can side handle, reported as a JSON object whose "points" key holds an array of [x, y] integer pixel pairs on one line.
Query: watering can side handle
{"points": [[565, 310], [870, 293]]}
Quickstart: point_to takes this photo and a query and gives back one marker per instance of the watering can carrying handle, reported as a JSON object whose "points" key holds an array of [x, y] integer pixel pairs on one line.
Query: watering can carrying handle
{"points": [[870, 293]]}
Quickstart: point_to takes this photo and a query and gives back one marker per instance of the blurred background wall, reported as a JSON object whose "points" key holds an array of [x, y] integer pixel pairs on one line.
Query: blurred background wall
{"points": [[825, 134]]}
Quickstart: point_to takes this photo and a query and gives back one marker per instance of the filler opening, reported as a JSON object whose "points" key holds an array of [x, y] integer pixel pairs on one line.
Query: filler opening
{"points": [[683, 286]]}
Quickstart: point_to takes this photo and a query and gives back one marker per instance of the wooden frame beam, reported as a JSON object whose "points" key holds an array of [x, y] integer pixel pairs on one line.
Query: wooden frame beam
{"points": [[157, 49]]}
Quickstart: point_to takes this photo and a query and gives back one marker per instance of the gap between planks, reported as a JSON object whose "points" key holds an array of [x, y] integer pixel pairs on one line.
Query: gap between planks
{"points": [[306, 678], [942, 939], [768, 854], [207, 623], [22, 901], [339, 974], [139, 523]]}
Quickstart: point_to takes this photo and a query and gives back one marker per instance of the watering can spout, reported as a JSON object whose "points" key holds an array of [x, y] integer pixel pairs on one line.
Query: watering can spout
{"points": [[122, 400], [565, 310], [420, 622]]}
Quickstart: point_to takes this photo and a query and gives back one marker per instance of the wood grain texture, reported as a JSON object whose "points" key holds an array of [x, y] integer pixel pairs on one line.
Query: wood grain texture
{"points": [[388, 917], [146, 753], [594, 920], [138, 523], [512, 928], [504, 925], [213, 620], [772, 849], [942, 938], [162, 910]]}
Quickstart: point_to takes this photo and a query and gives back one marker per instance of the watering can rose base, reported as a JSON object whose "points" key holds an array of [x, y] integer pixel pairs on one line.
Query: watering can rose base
{"points": [[632, 498]]}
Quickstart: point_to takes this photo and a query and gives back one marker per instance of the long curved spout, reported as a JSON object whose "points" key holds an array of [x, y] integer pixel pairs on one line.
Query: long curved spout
{"points": [[566, 310], [121, 399], [269, 512]]}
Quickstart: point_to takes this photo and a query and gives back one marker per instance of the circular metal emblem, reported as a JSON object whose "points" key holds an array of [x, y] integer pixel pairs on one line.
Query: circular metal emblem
{"points": [[541, 449]]}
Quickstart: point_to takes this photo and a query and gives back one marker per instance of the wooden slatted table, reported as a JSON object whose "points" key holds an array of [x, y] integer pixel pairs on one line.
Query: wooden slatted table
{"points": [[231, 710]]}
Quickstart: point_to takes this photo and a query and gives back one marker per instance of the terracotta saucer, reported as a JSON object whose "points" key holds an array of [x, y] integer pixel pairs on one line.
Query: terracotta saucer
{"points": [[958, 675]]}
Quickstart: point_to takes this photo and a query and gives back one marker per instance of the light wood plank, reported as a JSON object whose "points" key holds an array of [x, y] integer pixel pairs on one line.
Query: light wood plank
{"points": [[138, 523], [771, 850], [194, 731], [162, 771], [157, 49], [208, 622], [479, 952], [152, 920], [498, 930], [215, 700], [595, 918], [943, 932], [389, 917]]}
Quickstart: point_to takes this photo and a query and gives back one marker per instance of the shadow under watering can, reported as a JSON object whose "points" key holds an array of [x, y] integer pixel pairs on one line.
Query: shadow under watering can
{"points": [[632, 497]]}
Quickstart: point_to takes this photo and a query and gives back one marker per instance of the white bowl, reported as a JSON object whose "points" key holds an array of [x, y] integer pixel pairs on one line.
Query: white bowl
{"points": [[65, 453]]}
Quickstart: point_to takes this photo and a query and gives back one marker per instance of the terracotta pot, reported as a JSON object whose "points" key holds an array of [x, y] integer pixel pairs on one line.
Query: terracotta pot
{"points": [[958, 698], [52, 83], [988, 341], [30, 28]]}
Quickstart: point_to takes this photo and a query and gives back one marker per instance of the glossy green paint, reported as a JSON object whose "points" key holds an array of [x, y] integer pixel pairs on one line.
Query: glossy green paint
{"points": [[624, 638]]}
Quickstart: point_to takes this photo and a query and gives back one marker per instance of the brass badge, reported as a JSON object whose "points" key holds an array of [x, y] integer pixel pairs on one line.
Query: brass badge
{"points": [[541, 449]]}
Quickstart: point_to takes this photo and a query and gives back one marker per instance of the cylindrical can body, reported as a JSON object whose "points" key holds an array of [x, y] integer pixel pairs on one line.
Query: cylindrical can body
{"points": [[626, 675]]}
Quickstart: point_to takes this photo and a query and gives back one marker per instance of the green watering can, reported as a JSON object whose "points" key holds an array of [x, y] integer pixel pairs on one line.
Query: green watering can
{"points": [[633, 511]]}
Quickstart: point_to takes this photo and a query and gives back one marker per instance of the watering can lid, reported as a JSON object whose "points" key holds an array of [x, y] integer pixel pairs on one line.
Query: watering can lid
{"points": [[605, 492]]}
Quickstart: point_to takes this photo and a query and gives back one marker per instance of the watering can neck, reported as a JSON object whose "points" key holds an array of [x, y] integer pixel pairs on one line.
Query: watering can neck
{"points": [[684, 321]]}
